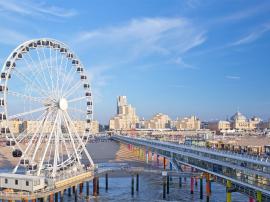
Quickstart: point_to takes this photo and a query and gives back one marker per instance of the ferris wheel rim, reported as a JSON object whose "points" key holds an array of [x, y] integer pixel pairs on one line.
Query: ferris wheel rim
{"points": [[8, 70]]}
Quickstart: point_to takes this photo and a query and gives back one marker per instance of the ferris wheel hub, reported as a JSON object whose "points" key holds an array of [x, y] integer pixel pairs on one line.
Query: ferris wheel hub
{"points": [[63, 104]]}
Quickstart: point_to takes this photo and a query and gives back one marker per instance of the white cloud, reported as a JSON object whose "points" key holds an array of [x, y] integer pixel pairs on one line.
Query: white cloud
{"points": [[253, 36], [34, 8], [232, 77], [182, 64], [146, 36], [11, 37]]}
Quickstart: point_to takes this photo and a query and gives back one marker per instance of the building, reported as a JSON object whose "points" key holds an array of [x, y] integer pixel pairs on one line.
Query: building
{"points": [[240, 123], [31, 127], [14, 126], [159, 121], [219, 126], [188, 123], [126, 117]]}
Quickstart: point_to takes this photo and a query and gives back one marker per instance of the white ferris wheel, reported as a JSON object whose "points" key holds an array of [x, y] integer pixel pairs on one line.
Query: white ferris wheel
{"points": [[45, 90]]}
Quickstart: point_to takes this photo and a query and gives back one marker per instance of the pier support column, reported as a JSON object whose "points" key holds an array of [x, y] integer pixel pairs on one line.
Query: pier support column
{"points": [[61, 196], [56, 197], [75, 193], [164, 186], [95, 193], [201, 188], [207, 187], [196, 181], [132, 185], [137, 182], [191, 185], [168, 184], [106, 182], [69, 191], [180, 182], [87, 188], [157, 160], [164, 163], [81, 188], [228, 192], [51, 197], [152, 157], [147, 157], [259, 196], [171, 167], [97, 185]]}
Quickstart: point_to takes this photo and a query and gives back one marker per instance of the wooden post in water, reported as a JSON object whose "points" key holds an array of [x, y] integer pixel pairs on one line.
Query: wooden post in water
{"points": [[81, 187], [228, 192], [69, 191], [207, 188], [75, 194], [51, 197]]}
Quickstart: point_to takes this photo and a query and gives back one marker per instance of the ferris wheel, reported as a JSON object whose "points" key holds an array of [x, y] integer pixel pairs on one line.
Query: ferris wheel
{"points": [[46, 107]]}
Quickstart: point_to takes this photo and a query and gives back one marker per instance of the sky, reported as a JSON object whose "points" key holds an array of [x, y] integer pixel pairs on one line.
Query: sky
{"points": [[179, 57]]}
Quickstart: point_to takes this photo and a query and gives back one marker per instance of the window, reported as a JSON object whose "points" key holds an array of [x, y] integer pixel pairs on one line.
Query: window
{"points": [[16, 182], [6, 180], [27, 183]]}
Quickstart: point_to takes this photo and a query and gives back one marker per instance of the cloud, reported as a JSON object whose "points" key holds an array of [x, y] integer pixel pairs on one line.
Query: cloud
{"points": [[182, 64], [247, 13], [253, 36], [11, 37], [33, 8], [146, 36], [232, 77]]}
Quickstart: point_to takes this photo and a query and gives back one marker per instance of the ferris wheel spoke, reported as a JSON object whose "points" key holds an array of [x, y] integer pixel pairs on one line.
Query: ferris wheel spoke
{"points": [[73, 89], [76, 99], [80, 140], [64, 76], [33, 72], [46, 148], [38, 70], [48, 67], [27, 148], [71, 136], [28, 97], [41, 137], [23, 78], [41, 67], [27, 113]]}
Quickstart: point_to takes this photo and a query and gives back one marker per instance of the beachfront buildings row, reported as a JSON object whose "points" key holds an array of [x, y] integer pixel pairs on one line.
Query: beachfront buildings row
{"points": [[126, 119], [17, 126]]}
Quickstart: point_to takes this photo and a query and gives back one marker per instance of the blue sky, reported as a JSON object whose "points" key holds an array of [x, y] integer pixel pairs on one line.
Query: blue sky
{"points": [[178, 57]]}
